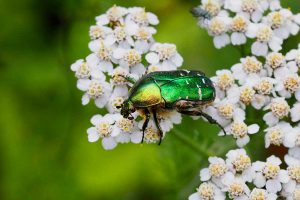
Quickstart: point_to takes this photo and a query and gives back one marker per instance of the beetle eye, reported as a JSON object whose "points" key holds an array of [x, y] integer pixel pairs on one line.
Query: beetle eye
{"points": [[118, 107]]}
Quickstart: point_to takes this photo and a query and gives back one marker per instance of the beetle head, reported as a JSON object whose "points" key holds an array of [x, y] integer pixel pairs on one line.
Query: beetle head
{"points": [[126, 109]]}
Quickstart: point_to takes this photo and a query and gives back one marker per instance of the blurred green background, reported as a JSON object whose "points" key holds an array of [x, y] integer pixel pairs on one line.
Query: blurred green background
{"points": [[44, 152]]}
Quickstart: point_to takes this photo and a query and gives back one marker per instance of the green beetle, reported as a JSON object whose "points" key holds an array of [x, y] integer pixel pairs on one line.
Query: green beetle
{"points": [[182, 90]]}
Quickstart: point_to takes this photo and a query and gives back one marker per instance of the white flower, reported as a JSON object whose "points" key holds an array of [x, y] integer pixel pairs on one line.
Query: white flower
{"points": [[288, 83], [165, 55], [218, 28], [236, 187], [116, 99], [239, 26], [143, 38], [167, 118], [279, 109], [114, 15], [295, 112], [294, 59], [239, 162], [265, 38], [151, 133], [207, 191], [215, 172], [224, 80], [96, 89], [103, 126], [99, 32], [81, 69], [274, 61], [261, 194], [239, 130], [291, 192], [277, 135], [140, 17], [269, 174]]}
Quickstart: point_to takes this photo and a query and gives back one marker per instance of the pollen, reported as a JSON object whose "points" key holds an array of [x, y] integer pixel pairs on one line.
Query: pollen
{"points": [[296, 194], [120, 34], [235, 190], [264, 87], [104, 53], [142, 34], [264, 34], [294, 172], [239, 129], [125, 125], [241, 162], [152, 68], [226, 110], [275, 136], [251, 65], [116, 103], [249, 6], [83, 71], [246, 95], [165, 51], [258, 194], [115, 13], [270, 170], [225, 81], [140, 17], [280, 108], [212, 7], [118, 76], [217, 26], [206, 191], [292, 83], [97, 32], [132, 57], [239, 24], [151, 135], [95, 89], [275, 60], [217, 169], [276, 19], [104, 129]]}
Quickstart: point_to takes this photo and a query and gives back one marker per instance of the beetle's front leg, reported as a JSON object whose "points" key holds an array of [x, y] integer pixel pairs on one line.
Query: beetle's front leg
{"points": [[200, 113], [147, 113], [157, 125]]}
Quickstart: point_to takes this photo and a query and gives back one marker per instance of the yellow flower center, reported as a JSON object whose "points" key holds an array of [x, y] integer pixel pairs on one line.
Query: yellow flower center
{"points": [[217, 169], [165, 51], [97, 32], [264, 87], [140, 17], [280, 108], [206, 191], [251, 65], [118, 77], [258, 194], [212, 7], [249, 6], [236, 189], [120, 34], [264, 34], [217, 26], [115, 13], [104, 53], [132, 57], [246, 95], [226, 110], [239, 129], [241, 162], [104, 129], [276, 19], [239, 24], [275, 60], [83, 71], [225, 81], [291, 83], [294, 172], [271, 171], [95, 89], [151, 135], [275, 136], [117, 102], [142, 34], [125, 125]]}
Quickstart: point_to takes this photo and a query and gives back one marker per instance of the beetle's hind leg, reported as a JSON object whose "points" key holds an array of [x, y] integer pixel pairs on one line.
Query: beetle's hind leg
{"points": [[145, 125], [157, 125], [200, 113]]}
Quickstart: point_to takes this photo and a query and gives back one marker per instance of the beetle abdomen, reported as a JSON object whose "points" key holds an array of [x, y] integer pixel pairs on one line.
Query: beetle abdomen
{"points": [[188, 88]]}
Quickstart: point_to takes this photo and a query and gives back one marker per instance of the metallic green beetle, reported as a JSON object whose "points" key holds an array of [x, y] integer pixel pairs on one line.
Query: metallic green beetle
{"points": [[182, 90]]}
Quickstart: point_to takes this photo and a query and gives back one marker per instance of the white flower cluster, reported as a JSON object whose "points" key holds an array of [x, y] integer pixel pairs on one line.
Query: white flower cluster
{"points": [[236, 21], [272, 87], [240, 179], [122, 48]]}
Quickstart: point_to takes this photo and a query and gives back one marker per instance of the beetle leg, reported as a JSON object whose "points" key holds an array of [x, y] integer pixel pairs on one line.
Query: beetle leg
{"points": [[206, 116], [157, 125], [147, 113]]}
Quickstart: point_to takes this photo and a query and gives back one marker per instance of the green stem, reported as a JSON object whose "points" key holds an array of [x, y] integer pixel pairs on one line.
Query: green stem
{"points": [[190, 143]]}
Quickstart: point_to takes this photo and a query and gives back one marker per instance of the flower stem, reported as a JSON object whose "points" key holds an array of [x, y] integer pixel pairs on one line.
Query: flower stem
{"points": [[190, 143]]}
